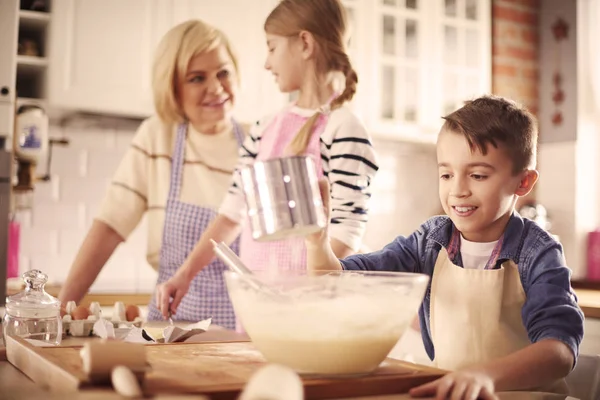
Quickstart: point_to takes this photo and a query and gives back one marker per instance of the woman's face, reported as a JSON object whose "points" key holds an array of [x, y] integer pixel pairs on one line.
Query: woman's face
{"points": [[207, 91]]}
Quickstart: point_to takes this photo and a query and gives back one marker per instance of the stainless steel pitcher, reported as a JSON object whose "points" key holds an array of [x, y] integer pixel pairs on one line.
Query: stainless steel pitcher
{"points": [[283, 198]]}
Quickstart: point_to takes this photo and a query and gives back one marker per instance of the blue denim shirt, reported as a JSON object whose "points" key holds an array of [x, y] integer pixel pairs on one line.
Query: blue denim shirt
{"points": [[550, 309]]}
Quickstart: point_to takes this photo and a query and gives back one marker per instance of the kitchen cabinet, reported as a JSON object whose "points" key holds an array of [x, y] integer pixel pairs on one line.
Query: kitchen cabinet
{"points": [[102, 52], [101, 56], [8, 44], [418, 60], [243, 23]]}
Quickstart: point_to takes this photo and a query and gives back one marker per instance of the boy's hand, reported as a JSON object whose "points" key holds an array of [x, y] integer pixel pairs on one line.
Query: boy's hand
{"points": [[459, 385], [318, 238]]}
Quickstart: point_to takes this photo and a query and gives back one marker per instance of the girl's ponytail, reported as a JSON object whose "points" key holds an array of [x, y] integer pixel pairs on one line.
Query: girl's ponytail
{"points": [[300, 142]]}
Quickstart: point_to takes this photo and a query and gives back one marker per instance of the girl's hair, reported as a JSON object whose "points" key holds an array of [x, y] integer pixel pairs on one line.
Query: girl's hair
{"points": [[326, 21], [172, 58]]}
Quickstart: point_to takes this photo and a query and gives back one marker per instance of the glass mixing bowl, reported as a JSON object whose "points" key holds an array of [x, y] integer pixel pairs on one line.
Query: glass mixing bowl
{"points": [[326, 323], [33, 313]]}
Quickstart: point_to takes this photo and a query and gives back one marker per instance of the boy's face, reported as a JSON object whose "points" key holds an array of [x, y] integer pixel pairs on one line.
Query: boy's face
{"points": [[478, 192]]}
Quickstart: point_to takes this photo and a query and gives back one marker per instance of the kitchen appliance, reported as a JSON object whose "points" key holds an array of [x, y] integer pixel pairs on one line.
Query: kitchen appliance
{"points": [[30, 146], [283, 198]]}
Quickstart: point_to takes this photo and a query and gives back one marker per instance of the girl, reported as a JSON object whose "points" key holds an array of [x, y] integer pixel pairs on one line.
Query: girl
{"points": [[306, 43]]}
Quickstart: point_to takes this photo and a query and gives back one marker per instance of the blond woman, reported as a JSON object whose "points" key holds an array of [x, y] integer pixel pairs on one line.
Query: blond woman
{"points": [[177, 171]]}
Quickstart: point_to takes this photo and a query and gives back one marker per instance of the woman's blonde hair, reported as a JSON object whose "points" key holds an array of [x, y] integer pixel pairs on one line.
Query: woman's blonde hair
{"points": [[171, 60], [326, 20]]}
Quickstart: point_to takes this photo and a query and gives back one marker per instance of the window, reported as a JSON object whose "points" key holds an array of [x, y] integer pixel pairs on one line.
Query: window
{"points": [[416, 61], [419, 59]]}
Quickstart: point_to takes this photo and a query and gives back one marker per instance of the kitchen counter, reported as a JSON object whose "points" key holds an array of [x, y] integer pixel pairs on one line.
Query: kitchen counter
{"points": [[589, 301], [588, 293], [16, 386]]}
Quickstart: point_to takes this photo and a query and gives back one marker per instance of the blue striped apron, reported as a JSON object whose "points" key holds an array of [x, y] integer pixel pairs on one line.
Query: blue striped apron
{"points": [[184, 224]]}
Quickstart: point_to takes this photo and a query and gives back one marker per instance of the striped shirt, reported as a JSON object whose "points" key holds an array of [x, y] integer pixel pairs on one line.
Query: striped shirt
{"points": [[349, 163], [141, 183]]}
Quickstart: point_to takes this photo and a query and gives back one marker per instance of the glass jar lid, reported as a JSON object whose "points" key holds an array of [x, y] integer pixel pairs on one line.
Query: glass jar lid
{"points": [[33, 302]]}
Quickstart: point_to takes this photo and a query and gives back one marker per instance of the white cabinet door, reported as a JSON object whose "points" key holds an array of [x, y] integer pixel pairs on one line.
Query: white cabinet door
{"points": [[420, 60], [101, 54], [242, 21], [9, 18]]}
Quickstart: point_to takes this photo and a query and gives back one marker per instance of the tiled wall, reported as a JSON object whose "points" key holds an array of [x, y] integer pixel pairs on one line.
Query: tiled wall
{"points": [[64, 208], [405, 195]]}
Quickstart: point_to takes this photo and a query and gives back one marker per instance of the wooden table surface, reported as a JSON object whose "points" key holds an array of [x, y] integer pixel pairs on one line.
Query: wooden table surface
{"points": [[16, 386]]}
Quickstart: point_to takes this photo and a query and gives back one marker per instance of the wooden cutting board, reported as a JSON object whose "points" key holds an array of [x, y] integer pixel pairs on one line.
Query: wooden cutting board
{"points": [[218, 370]]}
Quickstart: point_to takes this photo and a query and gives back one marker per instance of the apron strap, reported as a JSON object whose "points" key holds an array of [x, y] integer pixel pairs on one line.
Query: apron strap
{"points": [[179, 156], [454, 248], [177, 161]]}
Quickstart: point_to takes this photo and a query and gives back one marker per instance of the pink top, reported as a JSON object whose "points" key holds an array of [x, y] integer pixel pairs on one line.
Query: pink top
{"points": [[287, 254]]}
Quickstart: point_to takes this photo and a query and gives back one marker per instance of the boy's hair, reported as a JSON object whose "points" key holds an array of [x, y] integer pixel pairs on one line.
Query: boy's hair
{"points": [[326, 20], [493, 120], [172, 58]]}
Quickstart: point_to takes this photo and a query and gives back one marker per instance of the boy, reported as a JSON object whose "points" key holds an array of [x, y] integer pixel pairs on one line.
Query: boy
{"points": [[499, 309]]}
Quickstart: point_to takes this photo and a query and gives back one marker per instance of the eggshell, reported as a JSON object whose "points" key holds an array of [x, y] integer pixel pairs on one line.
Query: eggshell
{"points": [[71, 305], [125, 383], [95, 309], [80, 312], [273, 381], [119, 312], [132, 312]]}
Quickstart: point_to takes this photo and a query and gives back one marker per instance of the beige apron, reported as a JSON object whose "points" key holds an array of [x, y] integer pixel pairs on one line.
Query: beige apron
{"points": [[476, 314]]}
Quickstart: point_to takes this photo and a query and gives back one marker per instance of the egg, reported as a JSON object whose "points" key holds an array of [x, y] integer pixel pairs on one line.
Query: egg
{"points": [[80, 312], [119, 312], [132, 312], [125, 382], [70, 306], [95, 309], [273, 381]]}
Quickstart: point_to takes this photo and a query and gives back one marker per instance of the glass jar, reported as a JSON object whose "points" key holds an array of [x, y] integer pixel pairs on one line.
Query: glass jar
{"points": [[33, 313]]}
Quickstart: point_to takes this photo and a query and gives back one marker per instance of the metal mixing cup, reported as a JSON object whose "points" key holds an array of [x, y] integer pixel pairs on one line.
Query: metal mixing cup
{"points": [[283, 198]]}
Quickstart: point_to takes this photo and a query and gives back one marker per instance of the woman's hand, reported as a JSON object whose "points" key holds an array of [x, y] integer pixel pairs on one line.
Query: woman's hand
{"points": [[176, 287], [459, 385]]}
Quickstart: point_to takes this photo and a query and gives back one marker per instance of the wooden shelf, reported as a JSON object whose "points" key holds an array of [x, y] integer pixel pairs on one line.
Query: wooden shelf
{"points": [[29, 61], [31, 100], [29, 64], [33, 19]]}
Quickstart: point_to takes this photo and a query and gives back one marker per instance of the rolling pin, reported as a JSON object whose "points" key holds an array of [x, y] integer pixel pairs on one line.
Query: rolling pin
{"points": [[100, 357]]}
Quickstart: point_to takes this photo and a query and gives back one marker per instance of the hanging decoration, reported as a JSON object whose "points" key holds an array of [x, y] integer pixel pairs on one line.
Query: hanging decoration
{"points": [[560, 31]]}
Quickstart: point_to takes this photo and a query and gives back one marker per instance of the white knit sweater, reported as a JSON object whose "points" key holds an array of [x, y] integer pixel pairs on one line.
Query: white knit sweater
{"points": [[141, 182]]}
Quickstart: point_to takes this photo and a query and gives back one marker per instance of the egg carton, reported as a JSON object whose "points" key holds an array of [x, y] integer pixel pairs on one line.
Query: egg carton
{"points": [[84, 327]]}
